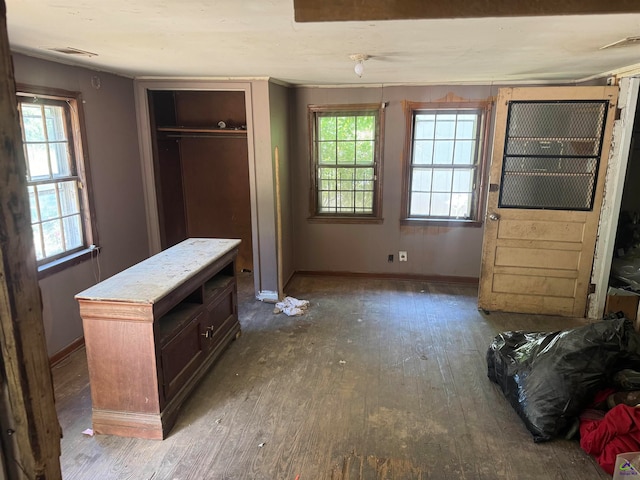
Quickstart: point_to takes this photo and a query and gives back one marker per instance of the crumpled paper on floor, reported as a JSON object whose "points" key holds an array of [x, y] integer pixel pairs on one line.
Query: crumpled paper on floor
{"points": [[292, 306]]}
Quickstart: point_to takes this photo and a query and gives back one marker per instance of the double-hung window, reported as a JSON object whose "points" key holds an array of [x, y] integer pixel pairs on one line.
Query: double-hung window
{"points": [[346, 161], [56, 176], [444, 163]]}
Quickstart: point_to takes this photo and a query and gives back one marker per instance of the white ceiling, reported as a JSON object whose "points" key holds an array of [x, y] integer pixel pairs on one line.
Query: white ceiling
{"points": [[259, 38]]}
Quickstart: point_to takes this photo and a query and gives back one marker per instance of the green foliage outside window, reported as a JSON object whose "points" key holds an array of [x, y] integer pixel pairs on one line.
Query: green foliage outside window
{"points": [[345, 165]]}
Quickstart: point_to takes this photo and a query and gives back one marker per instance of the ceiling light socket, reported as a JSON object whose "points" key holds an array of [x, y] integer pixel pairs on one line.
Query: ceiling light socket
{"points": [[359, 58]]}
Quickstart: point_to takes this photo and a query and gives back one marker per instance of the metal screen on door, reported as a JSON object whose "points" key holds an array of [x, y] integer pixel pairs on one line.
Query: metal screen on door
{"points": [[551, 155]]}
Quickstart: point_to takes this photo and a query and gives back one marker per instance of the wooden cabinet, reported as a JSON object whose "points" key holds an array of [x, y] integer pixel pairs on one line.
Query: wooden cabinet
{"points": [[152, 331]]}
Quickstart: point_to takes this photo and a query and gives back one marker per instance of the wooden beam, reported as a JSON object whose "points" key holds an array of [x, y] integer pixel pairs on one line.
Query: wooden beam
{"points": [[29, 429], [357, 10]]}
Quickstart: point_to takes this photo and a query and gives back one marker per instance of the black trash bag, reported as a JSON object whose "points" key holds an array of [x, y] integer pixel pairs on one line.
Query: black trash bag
{"points": [[550, 377]]}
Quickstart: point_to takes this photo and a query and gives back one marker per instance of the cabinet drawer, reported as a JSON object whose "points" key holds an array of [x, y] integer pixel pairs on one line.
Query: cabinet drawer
{"points": [[181, 357]]}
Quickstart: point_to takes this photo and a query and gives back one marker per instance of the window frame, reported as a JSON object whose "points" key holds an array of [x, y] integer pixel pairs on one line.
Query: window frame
{"points": [[74, 117], [376, 216], [478, 194]]}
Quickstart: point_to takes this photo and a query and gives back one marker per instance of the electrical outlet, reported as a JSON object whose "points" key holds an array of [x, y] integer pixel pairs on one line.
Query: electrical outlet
{"points": [[390, 258], [402, 256]]}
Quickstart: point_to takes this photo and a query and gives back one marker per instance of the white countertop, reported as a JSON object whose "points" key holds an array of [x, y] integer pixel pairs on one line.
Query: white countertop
{"points": [[155, 277]]}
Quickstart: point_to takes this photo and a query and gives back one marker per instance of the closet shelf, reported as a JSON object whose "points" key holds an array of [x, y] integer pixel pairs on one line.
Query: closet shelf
{"points": [[179, 130]]}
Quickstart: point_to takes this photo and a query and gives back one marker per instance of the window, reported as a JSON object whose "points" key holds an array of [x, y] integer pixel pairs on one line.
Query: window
{"points": [[444, 162], [346, 162], [55, 176]]}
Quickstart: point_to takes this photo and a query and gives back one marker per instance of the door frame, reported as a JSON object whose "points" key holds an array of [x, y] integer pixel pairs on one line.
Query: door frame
{"points": [[141, 88], [612, 200]]}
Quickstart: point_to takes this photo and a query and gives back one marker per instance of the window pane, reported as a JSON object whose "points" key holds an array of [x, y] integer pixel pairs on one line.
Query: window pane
{"points": [[346, 128], [346, 153], [72, 232], [32, 123], [52, 232], [326, 128], [37, 241], [327, 184], [467, 126], [59, 154], [366, 127], [56, 208], [68, 198], [364, 174], [368, 202], [54, 116], [424, 126], [461, 205], [327, 173], [364, 152], [421, 181], [346, 174], [327, 201], [32, 204], [440, 204], [420, 204], [345, 185], [327, 152], [445, 126], [346, 201], [442, 179], [346, 141], [443, 153], [38, 161], [464, 152], [423, 152], [443, 138], [47, 201], [462, 180]]}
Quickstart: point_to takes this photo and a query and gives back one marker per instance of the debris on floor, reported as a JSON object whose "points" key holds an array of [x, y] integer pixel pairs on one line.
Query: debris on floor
{"points": [[580, 382], [292, 306], [88, 431]]}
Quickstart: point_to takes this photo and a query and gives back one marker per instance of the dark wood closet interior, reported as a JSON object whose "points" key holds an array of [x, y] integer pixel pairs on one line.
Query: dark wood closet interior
{"points": [[201, 167]]}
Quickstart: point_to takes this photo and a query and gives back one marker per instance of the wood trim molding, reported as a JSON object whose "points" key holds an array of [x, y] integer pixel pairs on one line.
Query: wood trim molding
{"points": [[396, 276], [448, 102], [351, 10], [63, 354]]}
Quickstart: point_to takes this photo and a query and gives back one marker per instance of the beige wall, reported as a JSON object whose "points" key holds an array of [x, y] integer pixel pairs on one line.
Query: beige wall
{"points": [[432, 251], [112, 143]]}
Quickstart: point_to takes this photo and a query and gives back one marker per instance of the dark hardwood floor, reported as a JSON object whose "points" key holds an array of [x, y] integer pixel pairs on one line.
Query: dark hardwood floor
{"points": [[380, 379]]}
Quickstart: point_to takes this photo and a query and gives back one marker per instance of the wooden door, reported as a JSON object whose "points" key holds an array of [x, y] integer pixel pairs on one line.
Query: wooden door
{"points": [[550, 152]]}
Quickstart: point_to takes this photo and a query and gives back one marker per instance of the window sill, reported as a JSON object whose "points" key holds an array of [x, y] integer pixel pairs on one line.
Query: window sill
{"points": [[55, 266], [424, 222], [338, 219]]}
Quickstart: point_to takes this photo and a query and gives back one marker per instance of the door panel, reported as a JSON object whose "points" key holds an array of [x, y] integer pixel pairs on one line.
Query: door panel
{"points": [[537, 258], [547, 174], [535, 285], [548, 231]]}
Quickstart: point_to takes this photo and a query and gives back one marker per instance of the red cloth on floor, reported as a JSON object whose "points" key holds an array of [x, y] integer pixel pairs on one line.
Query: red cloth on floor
{"points": [[618, 431]]}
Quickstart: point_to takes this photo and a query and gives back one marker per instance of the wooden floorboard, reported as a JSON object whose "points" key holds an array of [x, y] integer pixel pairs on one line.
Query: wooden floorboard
{"points": [[380, 379]]}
